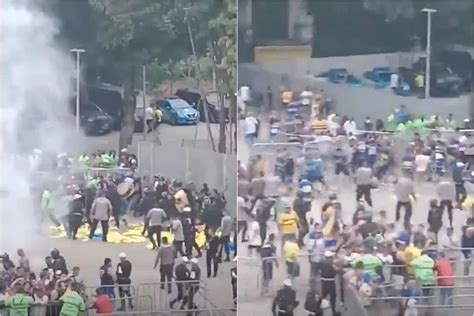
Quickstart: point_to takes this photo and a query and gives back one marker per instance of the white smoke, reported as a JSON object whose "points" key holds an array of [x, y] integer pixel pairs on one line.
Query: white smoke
{"points": [[36, 77]]}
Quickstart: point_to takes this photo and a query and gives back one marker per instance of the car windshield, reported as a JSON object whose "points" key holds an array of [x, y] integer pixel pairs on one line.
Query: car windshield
{"points": [[385, 76], [178, 104]]}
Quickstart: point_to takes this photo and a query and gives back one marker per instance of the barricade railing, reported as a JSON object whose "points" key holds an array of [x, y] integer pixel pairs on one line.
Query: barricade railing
{"points": [[180, 296]]}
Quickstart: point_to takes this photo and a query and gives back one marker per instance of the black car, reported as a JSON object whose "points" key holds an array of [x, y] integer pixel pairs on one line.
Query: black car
{"points": [[94, 121], [194, 99], [444, 81], [110, 101], [460, 63]]}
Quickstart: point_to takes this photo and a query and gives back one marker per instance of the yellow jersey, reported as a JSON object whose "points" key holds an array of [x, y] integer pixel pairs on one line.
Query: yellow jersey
{"points": [[411, 253], [291, 251], [288, 223]]}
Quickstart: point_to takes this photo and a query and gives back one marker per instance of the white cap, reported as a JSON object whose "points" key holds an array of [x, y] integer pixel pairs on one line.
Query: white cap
{"points": [[184, 259], [122, 255], [194, 260], [123, 150], [328, 254], [287, 282]]}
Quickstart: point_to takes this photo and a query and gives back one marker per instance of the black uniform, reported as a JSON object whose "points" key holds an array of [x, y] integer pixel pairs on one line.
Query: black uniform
{"points": [[285, 302], [124, 271], [75, 217], [328, 275], [195, 275], [212, 262], [182, 274]]}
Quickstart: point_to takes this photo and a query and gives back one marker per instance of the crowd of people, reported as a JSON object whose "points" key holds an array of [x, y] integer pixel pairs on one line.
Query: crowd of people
{"points": [[54, 291], [377, 255], [80, 198]]}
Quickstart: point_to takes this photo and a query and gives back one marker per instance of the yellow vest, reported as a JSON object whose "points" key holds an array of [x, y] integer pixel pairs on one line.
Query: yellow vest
{"points": [[287, 96]]}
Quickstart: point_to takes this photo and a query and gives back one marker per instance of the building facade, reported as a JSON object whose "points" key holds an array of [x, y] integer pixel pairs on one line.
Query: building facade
{"points": [[274, 25]]}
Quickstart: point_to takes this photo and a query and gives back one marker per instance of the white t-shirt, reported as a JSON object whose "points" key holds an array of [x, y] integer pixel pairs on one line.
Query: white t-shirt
{"points": [[350, 127], [241, 205], [306, 97], [149, 113], [245, 93], [394, 80], [250, 125], [177, 228], [421, 163], [254, 234]]}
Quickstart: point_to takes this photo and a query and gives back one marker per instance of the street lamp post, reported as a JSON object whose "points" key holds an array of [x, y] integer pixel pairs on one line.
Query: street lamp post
{"points": [[428, 51], [78, 52]]}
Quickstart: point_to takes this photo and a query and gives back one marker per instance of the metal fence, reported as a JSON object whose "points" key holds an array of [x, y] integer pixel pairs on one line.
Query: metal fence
{"points": [[191, 298], [386, 298], [219, 171]]}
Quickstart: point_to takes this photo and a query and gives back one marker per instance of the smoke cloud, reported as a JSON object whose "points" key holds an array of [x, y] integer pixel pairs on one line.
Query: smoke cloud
{"points": [[36, 82]]}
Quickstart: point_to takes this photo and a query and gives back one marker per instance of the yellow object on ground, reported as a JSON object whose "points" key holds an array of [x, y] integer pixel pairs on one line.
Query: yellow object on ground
{"points": [[132, 236]]}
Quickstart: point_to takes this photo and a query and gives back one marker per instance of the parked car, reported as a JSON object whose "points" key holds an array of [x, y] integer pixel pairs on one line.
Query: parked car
{"points": [[354, 81], [335, 75], [94, 121], [380, 76], [445, 83], [110, 99], [177, 111], [194, 99], [460, 63]]}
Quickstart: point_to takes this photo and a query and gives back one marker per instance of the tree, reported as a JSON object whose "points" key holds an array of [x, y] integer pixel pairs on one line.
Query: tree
{"points": [[223, 54], [372, 26], [135, 33]]}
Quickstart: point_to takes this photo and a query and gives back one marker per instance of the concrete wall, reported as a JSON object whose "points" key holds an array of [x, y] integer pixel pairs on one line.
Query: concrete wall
{"points": [[347, 100], [187, 164], [357, 64]]}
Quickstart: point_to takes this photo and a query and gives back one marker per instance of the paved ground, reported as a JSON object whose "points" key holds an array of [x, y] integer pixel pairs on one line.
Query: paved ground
{"points": [[168, 134], [250, 298], [89, 255]]}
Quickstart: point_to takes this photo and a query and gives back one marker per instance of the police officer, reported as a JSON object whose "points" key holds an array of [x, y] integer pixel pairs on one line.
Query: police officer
{"points": [[182, 275], [285, 301], [195, 276], [20, 302], [124, 270], [75, 215]]}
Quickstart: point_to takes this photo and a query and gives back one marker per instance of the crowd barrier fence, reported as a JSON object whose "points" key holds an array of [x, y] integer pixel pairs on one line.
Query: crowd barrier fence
{"points": [[387, 296], [147, 299]]}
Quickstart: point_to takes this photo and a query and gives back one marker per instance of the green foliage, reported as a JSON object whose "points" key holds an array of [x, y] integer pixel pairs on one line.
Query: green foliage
{"points": [[372, 26], [224, 49], [156, 33]]}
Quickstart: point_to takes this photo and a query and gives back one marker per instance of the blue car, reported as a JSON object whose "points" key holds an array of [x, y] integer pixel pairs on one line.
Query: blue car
{"points": [[335, 75], [380, 76], [176, 111]]}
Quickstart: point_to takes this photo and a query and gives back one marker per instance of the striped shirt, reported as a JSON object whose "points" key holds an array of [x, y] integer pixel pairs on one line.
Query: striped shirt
{"points": [[320, 126]]}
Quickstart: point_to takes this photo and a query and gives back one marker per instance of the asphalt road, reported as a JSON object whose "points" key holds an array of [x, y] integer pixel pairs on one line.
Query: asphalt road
{"points": [[168, 134]]}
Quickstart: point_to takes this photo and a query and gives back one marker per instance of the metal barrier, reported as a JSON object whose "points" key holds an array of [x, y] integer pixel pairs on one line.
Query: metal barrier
{"points": [[180, 297]]}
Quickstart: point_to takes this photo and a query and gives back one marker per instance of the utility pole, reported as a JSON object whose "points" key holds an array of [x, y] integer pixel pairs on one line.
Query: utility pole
{"points": [[78, 52], [428, 51], [191, 40], [144, 101]]}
